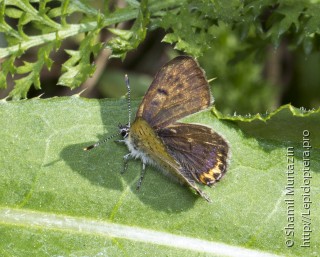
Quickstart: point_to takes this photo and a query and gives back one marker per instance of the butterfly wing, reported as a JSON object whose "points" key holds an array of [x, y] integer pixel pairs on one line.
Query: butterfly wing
{"points": [[202, 153], [179, 89]]}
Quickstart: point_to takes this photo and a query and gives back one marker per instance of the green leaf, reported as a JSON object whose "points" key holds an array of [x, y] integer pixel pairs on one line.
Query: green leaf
{"points": [[56, 199], [189, 27], [41, 20], [286, 15], [79, 67], [32, 70], [127, 40], [193, 26], [6, 67], [270, 126]]}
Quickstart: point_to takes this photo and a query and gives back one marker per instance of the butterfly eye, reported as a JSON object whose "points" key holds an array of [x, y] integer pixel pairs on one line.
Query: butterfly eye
{"points": [[124, 133]]}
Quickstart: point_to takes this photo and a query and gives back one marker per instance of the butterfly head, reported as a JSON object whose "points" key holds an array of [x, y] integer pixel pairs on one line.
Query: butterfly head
{"points": [[124, 130]]}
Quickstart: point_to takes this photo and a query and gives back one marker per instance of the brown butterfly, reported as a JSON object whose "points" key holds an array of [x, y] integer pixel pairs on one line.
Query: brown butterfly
{"points": [[189, 152]]}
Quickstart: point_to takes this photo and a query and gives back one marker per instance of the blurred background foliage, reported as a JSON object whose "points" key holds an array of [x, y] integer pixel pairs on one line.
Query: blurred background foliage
{"points": [[263, 54]]}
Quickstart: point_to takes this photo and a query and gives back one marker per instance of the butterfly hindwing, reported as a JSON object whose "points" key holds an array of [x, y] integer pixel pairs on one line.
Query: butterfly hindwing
{"points": [[179, 89], [202, 153]]}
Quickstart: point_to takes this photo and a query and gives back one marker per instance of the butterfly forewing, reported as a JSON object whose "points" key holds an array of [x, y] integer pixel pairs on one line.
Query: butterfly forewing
{"points": [[179, 89]]}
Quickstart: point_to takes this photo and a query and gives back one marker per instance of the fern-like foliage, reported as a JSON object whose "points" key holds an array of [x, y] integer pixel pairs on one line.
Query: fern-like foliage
{"points": [[258, 23], [50, 26], [191, 25]]}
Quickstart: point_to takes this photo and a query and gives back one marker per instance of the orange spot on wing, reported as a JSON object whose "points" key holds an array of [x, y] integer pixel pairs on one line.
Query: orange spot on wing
{"points": [[213, 175]]}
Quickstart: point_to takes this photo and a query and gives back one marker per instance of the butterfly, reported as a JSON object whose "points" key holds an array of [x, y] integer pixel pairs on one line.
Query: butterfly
{"points": [[190, 153]]}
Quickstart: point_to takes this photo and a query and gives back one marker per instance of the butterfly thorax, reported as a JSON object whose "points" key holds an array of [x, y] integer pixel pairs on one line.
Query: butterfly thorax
{"points": [[143, 143]]}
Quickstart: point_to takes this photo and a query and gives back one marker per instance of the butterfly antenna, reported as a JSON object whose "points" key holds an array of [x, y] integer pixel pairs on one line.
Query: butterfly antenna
{"points": [[100, 142], [128, 98]]}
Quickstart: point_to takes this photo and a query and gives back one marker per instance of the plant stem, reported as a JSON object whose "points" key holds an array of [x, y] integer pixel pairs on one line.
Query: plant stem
{"points": [[74, 29]]}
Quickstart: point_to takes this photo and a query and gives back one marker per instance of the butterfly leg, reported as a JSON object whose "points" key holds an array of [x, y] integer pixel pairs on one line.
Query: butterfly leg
{"points": [[143, 171], [126, 158], [119, 141]]}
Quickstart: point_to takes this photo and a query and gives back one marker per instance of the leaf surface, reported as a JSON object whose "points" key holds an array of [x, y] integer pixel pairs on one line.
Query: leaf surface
{"points": [[56, 199]]}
